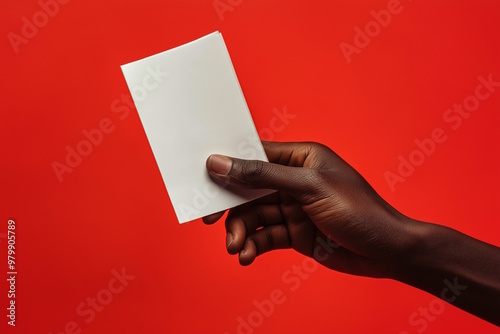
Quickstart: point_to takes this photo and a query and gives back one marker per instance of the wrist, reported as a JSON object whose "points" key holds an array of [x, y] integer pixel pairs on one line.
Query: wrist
{"points": [[452, 266], [432, 251], [416, 252]]}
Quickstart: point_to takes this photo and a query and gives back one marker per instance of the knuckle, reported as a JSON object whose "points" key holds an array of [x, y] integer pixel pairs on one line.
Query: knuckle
{"points": [[317, 147], [316, 177], [252, 170], [319, 180]]}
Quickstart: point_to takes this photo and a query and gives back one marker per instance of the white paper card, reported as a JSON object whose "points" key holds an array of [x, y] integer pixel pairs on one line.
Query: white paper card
{"points": [[191, 105]]}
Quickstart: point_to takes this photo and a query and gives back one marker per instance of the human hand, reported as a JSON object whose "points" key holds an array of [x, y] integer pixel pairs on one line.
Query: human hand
{"points": [[326, 210], [323, 209]]}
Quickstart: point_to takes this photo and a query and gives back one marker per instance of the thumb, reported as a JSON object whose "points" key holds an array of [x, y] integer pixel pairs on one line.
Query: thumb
{"points": [[298, 181]]}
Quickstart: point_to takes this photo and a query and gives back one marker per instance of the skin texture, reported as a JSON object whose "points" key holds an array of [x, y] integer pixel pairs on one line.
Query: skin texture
{"points": [[325, 209]]}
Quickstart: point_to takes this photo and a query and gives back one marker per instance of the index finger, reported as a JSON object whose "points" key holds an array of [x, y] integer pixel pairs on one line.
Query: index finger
{"points": [[297, 154], [210, 219]]}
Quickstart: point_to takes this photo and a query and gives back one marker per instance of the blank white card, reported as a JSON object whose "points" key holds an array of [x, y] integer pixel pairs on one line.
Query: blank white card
{"points": [[191, 105]]}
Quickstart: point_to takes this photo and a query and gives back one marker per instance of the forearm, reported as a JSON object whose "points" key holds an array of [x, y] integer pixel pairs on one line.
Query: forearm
{"points": [[456, 268]]}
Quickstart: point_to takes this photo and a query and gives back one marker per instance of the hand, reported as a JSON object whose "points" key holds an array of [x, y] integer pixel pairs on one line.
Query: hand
{"points": [[323, 209]]}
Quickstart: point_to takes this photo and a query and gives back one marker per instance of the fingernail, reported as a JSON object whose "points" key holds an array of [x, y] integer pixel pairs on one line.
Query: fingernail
{"points": [[229, 239], [219, 164]]}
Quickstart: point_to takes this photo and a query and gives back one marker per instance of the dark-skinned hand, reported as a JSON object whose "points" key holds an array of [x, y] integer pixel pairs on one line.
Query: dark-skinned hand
{"points": [[323, 209], [326, 210]]}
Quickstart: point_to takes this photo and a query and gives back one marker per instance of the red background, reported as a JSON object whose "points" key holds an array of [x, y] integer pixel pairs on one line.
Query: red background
{"points": [[112, 211]]}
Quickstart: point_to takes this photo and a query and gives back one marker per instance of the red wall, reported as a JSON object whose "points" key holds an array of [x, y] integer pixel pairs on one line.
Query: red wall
{"points": [[110, 216]]}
